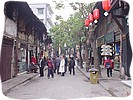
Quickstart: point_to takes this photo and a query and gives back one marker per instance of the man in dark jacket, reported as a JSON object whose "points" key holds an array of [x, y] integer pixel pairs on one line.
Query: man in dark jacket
{"points": [[71, 65], [66, 61], [42, 63]]}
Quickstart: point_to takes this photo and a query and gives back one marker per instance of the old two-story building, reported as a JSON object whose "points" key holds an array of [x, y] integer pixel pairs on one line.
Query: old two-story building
{"points": [[24, 35], [113, 30], [44, 12]]}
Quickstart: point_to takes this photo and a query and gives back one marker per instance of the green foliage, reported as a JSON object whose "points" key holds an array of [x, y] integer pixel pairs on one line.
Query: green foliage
{"points": [[75, 7], [58, 17], [73, 30], [59, 5], [67, 31]]}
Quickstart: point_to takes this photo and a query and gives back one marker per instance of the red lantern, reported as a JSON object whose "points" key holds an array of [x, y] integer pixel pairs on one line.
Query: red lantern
{"points": [[106, 4], [90, 17], [96, 14], [87, 22]]}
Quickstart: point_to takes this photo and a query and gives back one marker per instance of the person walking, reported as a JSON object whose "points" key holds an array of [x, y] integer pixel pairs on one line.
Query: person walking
{"points": [[66, 62], [53, 61], [71, 66], [62, 66], [108, 64], [42, 63], [50, 68], [57, 64]]}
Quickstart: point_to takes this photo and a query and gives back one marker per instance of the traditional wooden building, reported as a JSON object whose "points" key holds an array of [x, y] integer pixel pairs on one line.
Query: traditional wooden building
{"points": [[23, 35], [113, 30]]}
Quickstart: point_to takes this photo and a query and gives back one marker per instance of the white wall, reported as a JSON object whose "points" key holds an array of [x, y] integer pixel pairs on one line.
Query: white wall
{"points": [[47, 13], [10, 27]]}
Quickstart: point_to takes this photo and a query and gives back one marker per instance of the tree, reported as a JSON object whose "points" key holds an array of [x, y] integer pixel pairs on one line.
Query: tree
{"points": [[84, 9], [66, 32], [89, 34], [75, 31]]}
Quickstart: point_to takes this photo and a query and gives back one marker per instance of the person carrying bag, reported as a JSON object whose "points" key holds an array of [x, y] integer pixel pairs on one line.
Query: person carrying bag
{"points": [[108, 64]]}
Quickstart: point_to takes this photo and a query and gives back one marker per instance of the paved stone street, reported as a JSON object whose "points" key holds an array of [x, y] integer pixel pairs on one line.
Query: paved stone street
{"points": [[39, 36], [67, 87]]}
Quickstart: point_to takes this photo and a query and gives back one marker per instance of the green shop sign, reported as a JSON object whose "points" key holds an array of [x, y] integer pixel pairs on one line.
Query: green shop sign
{"points": [[109, 37], [100, 41]]}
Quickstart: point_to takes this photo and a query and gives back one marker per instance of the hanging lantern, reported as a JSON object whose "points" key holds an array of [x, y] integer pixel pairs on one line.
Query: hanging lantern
{"points": [[87, 22], [96, 15], [106, 4], [90, 17]]}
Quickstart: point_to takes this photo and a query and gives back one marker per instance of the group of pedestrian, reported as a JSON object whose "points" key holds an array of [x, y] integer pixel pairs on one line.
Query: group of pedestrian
{"points": [[64, 65], [46, 62], [59, 65]]}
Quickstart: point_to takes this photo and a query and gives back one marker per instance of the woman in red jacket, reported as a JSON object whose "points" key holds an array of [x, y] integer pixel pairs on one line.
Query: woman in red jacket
{"points": [[33, 60], [108, 64], [33, 67]]}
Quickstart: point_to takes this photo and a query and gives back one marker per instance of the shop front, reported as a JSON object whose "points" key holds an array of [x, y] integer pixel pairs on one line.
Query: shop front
{"points": [[106, 40], [113, 39], [21, 57]]}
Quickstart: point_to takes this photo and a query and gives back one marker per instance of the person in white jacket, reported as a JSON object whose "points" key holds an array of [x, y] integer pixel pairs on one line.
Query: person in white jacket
{"points": [[62, 66]]}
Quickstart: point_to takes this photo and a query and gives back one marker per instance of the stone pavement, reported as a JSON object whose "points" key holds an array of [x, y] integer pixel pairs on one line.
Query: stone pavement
{"points": [[18, 80], [112, 84]]}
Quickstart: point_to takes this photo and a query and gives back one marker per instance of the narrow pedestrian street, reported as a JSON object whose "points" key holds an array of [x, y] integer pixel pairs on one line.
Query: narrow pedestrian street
{"points": [[91, 40], [59, 87]]}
